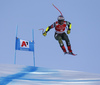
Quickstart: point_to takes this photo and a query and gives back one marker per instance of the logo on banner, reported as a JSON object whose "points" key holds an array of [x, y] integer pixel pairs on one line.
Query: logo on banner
{"points": [[24, 44]]}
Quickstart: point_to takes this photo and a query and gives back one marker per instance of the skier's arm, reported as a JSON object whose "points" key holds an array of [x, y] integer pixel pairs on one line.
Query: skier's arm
{"points": [[69, 27], [48, 28]]}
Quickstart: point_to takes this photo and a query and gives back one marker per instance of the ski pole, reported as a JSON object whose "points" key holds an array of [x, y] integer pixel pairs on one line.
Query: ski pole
{"points": [[42, 30], [57, 9]]}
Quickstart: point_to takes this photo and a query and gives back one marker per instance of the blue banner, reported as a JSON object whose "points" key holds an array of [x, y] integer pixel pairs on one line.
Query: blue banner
{"points": [[24, 45]]}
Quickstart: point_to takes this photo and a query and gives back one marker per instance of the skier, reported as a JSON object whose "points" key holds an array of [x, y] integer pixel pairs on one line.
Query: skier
{"points": [[60, 34]]}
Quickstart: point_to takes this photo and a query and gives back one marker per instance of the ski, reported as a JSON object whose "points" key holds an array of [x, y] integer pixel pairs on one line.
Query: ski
{"points": [[71, 54]]}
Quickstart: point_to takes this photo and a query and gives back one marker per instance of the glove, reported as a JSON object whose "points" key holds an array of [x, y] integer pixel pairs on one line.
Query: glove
{"points": [[44, 34], [68, 31]]}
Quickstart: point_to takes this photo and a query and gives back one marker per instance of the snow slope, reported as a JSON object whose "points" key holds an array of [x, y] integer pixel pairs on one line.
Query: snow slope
{"points": [[29, 75]]}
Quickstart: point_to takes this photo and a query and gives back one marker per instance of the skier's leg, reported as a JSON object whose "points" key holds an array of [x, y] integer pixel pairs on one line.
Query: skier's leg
{"points": [[65, 37], [62, 45], [59, 39]]}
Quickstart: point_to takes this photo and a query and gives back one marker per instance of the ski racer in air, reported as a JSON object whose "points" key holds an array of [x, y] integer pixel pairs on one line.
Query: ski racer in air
{"points": [[60, 34]]}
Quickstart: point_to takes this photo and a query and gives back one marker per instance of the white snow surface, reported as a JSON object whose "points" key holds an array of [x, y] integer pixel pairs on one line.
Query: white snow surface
{"points": [[30, 75]]}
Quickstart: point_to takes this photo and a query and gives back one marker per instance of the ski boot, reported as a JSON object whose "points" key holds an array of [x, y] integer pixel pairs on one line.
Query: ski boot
{"points": [[64, 49], [70, 51]]}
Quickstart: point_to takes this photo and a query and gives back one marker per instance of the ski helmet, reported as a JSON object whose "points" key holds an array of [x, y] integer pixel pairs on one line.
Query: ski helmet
{"points": [[60, 17]]}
